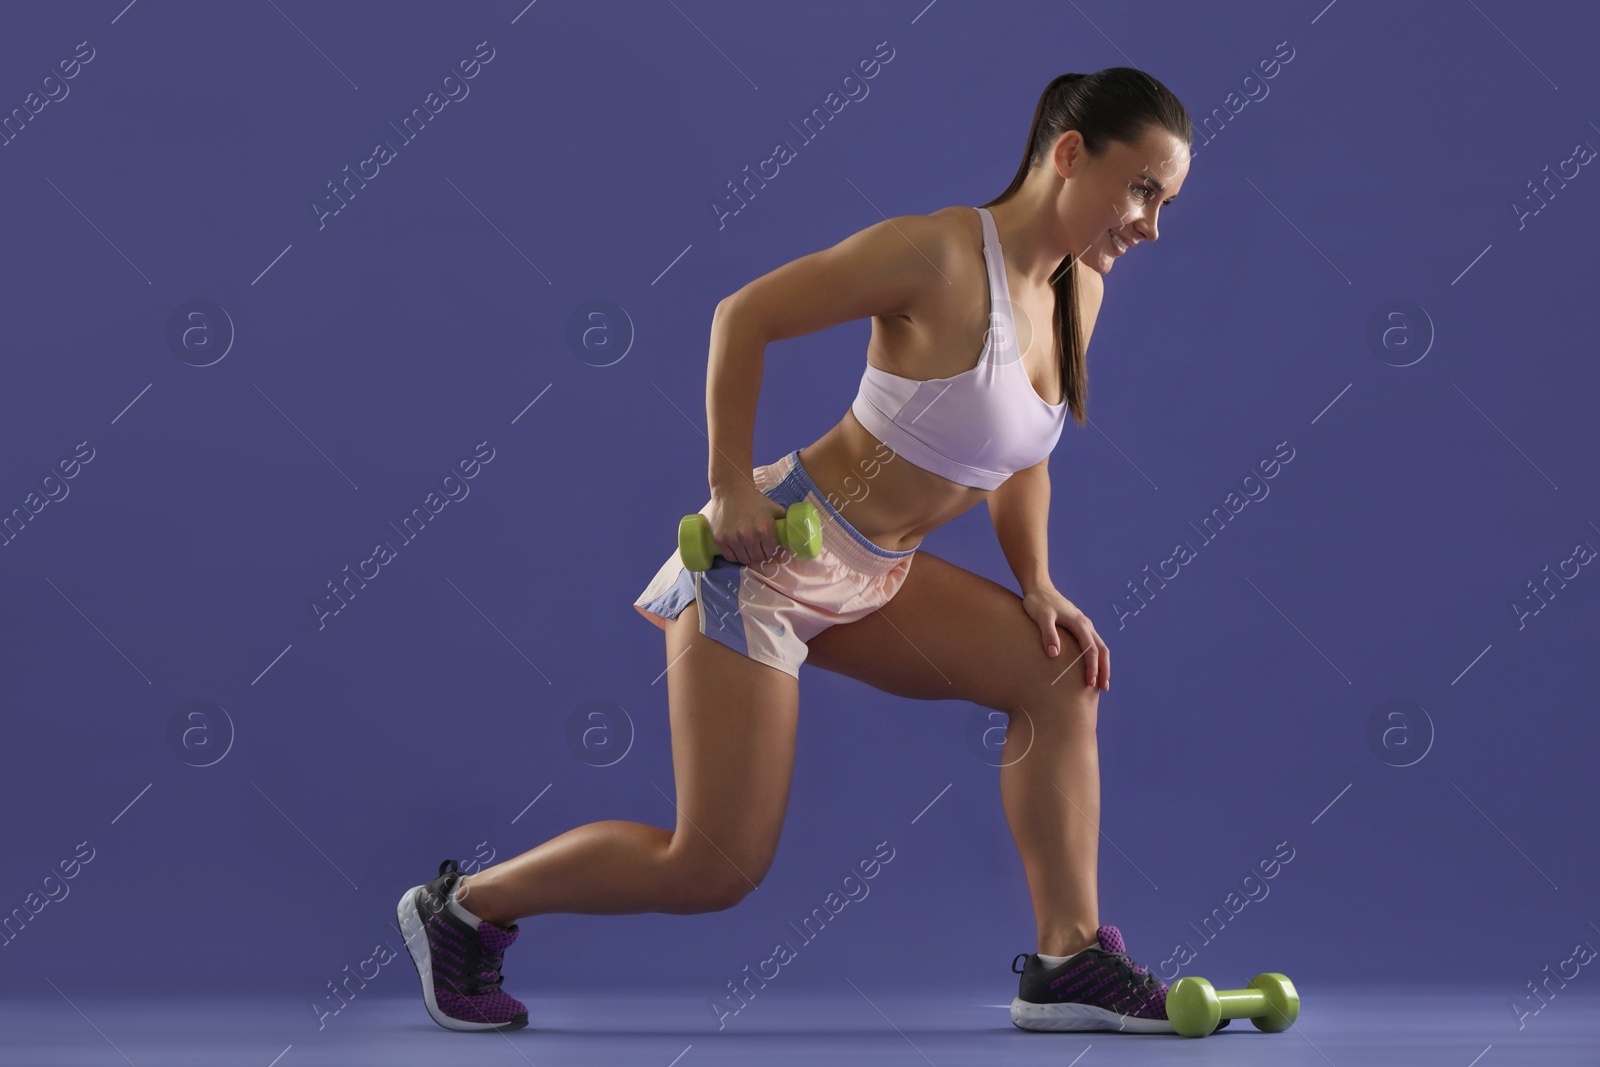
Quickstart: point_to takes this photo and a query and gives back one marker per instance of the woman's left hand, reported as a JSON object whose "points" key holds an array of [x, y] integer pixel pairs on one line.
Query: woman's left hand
{"points": [[1047, 607]]}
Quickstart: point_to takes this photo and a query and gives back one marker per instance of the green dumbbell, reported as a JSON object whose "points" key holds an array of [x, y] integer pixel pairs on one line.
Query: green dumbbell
{"points": [[799, 530], [1195, 1009]]}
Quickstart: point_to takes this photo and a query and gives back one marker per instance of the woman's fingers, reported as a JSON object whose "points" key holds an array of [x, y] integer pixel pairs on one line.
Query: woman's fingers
{"points": [[1080, 633], [1094, 662]]}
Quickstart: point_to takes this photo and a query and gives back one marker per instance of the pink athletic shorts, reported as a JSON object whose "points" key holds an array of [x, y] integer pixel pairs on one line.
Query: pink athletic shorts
{"points": [[769, 610]]}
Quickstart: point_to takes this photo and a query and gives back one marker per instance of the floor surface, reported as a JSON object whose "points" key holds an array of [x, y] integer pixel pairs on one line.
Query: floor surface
{"points": [[854, 1025]]}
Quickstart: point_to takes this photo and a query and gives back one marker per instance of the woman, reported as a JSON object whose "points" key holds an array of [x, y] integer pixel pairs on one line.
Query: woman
{"points": [[928, 437]]}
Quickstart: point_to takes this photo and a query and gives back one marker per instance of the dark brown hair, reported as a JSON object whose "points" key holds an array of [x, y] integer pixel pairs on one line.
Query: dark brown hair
{"points": [[1115, 104]]}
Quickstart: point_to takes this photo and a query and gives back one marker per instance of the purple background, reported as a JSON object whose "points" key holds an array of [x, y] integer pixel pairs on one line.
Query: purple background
{"points": [[1382, 162]]}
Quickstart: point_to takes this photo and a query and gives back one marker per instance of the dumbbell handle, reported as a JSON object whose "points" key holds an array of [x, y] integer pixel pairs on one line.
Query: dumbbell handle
{"points": [[1241, 1003]]}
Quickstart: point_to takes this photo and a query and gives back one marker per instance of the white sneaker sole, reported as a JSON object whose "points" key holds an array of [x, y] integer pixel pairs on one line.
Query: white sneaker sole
{"points": [[417, 943], [1030, 1016]]}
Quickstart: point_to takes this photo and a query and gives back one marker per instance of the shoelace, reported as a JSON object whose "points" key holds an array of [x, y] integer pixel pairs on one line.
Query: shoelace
{"points": [[488, 978], [480, 972], [1143, 983]]}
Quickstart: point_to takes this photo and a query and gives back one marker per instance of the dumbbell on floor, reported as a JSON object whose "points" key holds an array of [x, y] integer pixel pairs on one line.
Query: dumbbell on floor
{"points": [[799, 530], [1195, 1008]]}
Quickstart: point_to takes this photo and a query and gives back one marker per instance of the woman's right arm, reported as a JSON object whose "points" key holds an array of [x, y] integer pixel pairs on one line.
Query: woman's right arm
{"points": [[884, 269]]}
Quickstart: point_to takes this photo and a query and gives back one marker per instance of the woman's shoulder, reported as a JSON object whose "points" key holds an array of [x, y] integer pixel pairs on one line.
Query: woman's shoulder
{"points": [[949, 238], [959, 224], [943, 229]]}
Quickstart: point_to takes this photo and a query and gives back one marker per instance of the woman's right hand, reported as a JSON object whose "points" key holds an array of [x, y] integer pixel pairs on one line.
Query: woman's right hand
{"points": [[744, 524]]}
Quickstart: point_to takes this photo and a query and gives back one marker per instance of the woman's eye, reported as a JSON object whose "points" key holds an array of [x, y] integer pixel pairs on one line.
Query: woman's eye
{"points": [[1144, 191]]}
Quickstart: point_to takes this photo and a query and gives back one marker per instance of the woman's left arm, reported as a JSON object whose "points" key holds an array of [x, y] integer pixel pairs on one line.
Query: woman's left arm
{"points": [[1020, 511]]}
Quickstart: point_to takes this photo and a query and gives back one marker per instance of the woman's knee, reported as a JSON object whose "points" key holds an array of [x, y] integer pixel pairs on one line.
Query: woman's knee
{"points": [[722, 893], [709, 880], [1060, 701]]}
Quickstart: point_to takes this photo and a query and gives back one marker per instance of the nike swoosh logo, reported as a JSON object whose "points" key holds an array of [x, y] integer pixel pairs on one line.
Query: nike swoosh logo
{"points": [[775, 629]]}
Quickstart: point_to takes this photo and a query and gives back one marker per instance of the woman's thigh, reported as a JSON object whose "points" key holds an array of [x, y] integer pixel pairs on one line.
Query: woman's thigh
{"points": [[950, 634], [733, 739]]}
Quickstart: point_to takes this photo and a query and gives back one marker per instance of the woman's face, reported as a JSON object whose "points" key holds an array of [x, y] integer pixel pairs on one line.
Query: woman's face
{"points": [[1117, 197]]}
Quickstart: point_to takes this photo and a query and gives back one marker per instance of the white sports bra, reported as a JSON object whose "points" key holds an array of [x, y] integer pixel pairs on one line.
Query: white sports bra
{"points": [[975, 428]]}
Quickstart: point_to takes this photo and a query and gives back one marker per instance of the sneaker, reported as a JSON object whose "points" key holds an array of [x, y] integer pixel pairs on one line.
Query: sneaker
{"points": [[459, 965], [1096, 989]]}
